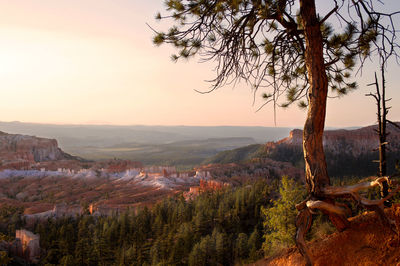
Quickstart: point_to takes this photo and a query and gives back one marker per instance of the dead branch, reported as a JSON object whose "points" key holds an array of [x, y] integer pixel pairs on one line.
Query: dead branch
{"points": [[335, 192]]}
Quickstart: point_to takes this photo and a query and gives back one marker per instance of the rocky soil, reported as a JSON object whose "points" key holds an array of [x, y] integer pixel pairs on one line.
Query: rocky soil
{"points": [[366, 242]]}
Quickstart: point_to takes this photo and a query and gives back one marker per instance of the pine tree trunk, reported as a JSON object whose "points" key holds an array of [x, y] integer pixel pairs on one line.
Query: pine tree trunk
{"points": [[316, 172]]}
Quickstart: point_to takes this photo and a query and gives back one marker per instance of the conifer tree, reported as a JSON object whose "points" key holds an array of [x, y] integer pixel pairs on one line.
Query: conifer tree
{"points": [[101, 250], [279, 219], [294, 53], [254, 244], [67, 260], [221, 248], [241, 246]]}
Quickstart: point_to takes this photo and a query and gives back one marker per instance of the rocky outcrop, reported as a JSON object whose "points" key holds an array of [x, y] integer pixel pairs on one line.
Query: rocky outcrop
{"points": [[205, 186], [26, 246], [20, 151], [348, 152], [30, 245]]}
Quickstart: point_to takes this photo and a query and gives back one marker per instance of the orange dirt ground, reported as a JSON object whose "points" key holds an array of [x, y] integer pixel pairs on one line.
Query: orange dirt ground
{"points": [[366, 242]]}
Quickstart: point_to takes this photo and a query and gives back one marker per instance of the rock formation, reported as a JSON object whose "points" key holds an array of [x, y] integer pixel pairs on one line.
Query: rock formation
{"points": [[30, 245], [20, 151], [353, 142], [204, 186], [348, 152], [26, 245]]}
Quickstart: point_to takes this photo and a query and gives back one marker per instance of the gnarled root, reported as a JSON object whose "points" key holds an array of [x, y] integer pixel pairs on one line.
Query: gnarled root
{"points": [[339, 212], [375, 205], [303, 225], [336, 213]]}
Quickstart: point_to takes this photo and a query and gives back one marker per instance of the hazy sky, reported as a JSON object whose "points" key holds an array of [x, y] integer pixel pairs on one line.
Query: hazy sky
{"points": [[93, 62]]}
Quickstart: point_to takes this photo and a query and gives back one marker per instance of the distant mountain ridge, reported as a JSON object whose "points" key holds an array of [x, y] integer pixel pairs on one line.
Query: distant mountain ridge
{"points": [[107, 135], [183, 146]]}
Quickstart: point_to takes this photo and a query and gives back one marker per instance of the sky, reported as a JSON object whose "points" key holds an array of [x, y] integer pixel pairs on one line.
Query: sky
{"points": [[93, 62]]}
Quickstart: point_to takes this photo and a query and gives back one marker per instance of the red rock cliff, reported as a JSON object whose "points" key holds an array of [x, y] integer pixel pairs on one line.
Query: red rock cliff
{"points": [[19, 151], [353, 142]]}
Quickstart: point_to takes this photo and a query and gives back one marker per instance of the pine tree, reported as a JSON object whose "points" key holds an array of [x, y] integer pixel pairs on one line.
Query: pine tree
{"points": [[241, 247], [222, 248], [102, 251], [287, 48], [279, 220], [254, 245], [67, 260], [202, 253]]}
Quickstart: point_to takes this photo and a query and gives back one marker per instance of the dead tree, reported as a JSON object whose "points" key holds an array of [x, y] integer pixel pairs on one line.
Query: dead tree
{"points": [[382, 111]]}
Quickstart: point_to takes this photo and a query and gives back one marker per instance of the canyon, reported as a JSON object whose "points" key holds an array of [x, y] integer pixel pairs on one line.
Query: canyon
{"points": [[37, 175], [43, 181], [48, 182]]}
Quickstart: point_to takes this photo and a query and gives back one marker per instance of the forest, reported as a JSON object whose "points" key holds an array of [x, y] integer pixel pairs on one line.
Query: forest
{"points": [[236, 225], [216, 228], [288, 52]]}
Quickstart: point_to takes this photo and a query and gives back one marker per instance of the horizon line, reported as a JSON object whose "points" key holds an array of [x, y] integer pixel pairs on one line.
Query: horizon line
{"points": [[176, 125]]}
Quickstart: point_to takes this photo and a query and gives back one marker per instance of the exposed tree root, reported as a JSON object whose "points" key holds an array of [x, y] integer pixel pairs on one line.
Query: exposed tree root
{"points": [[338, 212], [327, 207], [303, 225]]}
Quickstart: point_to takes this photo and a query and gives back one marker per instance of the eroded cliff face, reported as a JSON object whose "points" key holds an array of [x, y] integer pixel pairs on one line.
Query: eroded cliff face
{"points": [[348, 152], [353, 142], [19, 151], [30, 245], [26, 246]]}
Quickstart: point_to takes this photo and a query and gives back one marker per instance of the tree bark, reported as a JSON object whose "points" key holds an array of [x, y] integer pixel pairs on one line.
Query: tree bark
{"points": [[315, 164]]}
